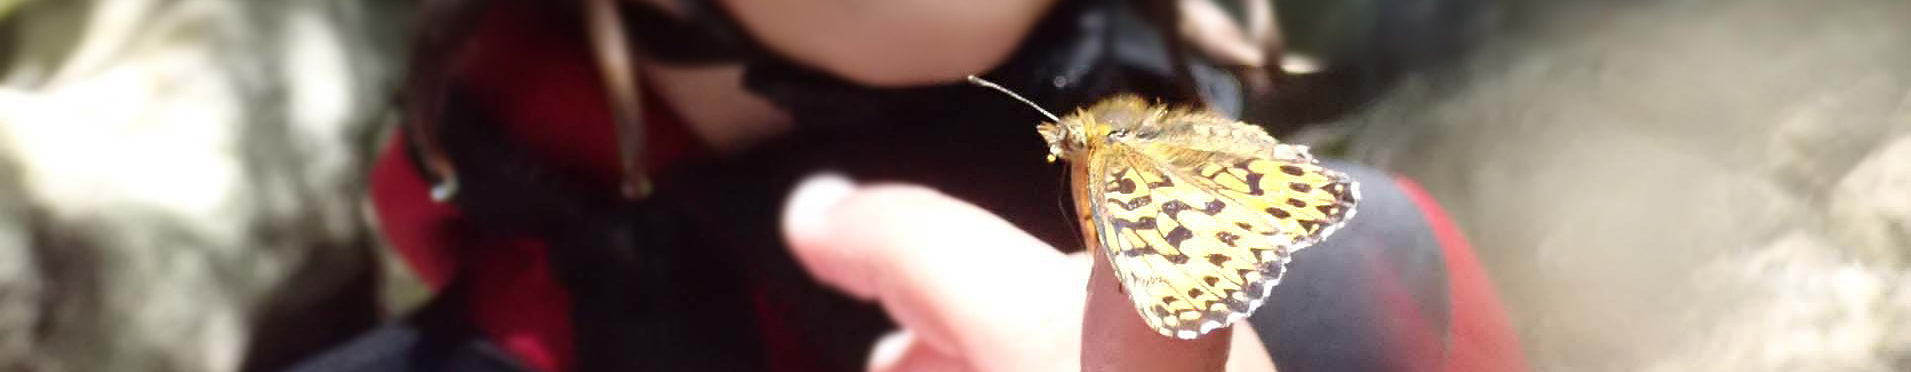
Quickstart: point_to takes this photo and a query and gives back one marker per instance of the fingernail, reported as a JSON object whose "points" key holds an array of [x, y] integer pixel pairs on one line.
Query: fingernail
{"points": [[890, 349], [806, 214]]}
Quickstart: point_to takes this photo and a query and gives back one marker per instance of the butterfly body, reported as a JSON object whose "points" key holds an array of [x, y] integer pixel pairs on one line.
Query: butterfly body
{"points": [[1198, 214]]}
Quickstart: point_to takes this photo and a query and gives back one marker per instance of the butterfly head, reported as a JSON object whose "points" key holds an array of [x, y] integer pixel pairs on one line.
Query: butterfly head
{"points": [[1064, 139], [1124, 118]]}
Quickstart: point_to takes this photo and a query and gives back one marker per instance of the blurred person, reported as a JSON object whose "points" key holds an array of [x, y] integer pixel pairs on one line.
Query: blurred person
{"points": [[557, 239]]}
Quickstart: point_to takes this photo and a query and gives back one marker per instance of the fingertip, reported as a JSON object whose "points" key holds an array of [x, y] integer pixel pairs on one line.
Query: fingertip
{"points": [[902, 351], [1247, 353], [808, 219], [807, 212], [890, 350]]}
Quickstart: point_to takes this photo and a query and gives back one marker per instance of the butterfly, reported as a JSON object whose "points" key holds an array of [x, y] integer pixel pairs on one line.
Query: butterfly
{"points": [[1197, 213]]}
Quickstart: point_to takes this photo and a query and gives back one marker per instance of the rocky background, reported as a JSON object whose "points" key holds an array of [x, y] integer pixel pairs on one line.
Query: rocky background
{"points": [[180, 180], [1678, 185], [1656, 185]]}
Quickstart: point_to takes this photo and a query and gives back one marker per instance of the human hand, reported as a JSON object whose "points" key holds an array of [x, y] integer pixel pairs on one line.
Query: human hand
{"points": [[972, 292]]}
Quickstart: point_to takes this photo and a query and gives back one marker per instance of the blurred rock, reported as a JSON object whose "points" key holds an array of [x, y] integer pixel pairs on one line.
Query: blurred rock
{"points": [[183, 180], [1803, 304], [21, 285], [1678, 185], [1871, 206]]}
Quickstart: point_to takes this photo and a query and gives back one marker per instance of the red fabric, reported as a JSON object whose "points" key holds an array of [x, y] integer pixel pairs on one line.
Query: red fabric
{"points": [[519, 304], [514, 300], [1479, 337], [410, 221], [1414, 338], [529, 65], [785, 352]]}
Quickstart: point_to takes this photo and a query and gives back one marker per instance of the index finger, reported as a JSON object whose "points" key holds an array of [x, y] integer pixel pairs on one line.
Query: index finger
{"points": [[1114, 338]]}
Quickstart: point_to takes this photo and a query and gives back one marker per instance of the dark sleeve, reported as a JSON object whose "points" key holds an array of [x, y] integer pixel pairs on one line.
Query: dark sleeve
{"points": [[1372, 297]]}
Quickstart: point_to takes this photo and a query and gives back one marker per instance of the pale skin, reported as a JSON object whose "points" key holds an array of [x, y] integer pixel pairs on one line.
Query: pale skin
{"points": [[886, 43], [970, 291]]}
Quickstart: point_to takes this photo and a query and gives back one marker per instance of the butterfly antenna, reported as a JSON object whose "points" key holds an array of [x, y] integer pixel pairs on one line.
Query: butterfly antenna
{"points": [[1018, 97]]}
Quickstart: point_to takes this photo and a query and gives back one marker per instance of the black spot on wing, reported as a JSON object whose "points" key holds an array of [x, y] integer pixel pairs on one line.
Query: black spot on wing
{"points": [[1140, 251], [1173, 207], [1254, 289], [1217, 259], [1214, 207], [1277, 212], [1124, 185], [1292, 170], [1228, 238], [1254, 184], [1144, 223], [1131, 204], [1338, 189], [1236, 306], [1299, 187], [1178, 235], [1210, 280], [1297, 203]]}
